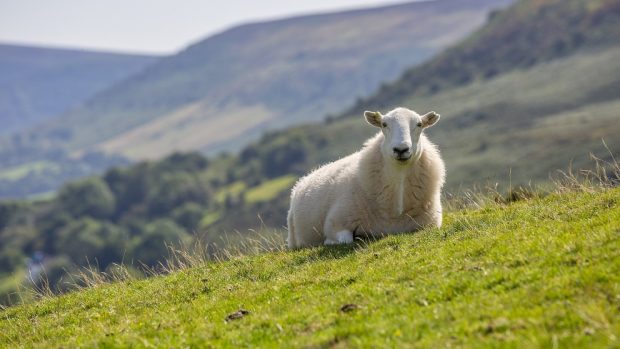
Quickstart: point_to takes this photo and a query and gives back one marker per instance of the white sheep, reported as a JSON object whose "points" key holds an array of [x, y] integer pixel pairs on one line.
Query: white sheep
{"points": [[393, 184]]}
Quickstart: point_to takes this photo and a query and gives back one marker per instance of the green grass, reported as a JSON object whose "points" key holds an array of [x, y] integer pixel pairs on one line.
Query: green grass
{"points": [[44, 196], [11, 283], [233, 189], [270, 189], [209, 218], [537, 273], [17, 172]]}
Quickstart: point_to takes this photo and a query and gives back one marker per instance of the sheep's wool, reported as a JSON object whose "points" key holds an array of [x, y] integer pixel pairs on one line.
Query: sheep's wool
{"points": [[367, 194]]}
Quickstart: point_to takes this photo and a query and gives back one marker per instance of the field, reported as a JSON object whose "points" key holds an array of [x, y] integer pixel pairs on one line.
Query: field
{"points": [[270, 189], [17, 172], [539, 272]]}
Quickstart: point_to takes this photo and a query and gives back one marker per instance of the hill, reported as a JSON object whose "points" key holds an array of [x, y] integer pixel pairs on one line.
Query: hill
{"points": [[537, 273], [226, 90], [39, 83], [527, 34], [518, 98], [512, 129], [516, 127]]}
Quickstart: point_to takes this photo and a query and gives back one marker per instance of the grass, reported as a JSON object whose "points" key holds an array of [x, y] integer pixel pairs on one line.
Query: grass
{"points": [[543, 272], [270, 189], [187, 129], [233, 189], [20, 171], [43, 196], [209, 218], [10, 283]]}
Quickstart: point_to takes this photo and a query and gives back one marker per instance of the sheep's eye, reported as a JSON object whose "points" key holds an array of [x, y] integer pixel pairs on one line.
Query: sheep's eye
{"points": [[419, 124], [384, 124]]}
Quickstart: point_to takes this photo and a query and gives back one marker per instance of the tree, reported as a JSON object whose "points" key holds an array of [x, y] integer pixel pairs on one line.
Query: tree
{"points": [[150, 247], [87, 240], [188, 216], [87, 198], [185, 162], [174, 190], [11, 259], [56, 273]]}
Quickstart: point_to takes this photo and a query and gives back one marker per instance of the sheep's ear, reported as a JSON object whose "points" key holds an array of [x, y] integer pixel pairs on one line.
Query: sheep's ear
{"points": [[374, 118], [429, 119]]}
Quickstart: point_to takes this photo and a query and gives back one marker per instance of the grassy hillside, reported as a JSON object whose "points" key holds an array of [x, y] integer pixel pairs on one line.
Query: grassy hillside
{"points": [[537, 273], [222, 92], [525, 124], [528, 33], [517, 127], [534, 89], [39, 83], [544, 106], [513, 128]]}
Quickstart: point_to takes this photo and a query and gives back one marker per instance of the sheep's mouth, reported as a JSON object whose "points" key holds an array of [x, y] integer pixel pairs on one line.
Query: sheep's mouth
{"points": [[403, 158]]}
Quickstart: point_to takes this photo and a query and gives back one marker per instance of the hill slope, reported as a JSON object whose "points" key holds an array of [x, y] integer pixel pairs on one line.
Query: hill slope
{"points": [[529, 33], [227, 89], [524, 124], [38, 83], [539, 273], [520, 125], [543, 106], [515, 127]]}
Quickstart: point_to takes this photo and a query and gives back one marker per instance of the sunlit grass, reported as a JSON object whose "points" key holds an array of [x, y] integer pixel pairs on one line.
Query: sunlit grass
{"points": [[539, 272], [233, 189], [209, 218], [20, 171], [269, 189]]}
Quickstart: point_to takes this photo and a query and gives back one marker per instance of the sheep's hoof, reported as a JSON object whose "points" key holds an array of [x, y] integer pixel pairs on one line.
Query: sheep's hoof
{"points": [[342, 237]]}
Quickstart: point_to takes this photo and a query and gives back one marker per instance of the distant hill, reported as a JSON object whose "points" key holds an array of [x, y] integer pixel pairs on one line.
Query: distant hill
{"points": [[535, 89], [222, 92], [37, 83], [530, 33], [516, 127]]}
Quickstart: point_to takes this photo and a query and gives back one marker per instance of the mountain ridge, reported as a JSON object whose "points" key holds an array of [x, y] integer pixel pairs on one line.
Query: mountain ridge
{"points": [[575, 25], [40, 83], [289, 66]]}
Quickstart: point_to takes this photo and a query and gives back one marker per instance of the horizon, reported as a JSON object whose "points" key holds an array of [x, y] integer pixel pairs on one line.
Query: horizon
{"points": [[50, 25]]}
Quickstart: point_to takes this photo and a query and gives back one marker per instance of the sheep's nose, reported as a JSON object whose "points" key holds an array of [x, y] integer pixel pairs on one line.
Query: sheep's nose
{"points": [[400, 150]]}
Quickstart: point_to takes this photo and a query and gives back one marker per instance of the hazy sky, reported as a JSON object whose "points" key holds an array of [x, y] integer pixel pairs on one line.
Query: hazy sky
{"points": [[151, 26]]}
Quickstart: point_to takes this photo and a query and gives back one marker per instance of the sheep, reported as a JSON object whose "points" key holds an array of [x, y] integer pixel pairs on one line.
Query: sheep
{"points": [[393, 184]]}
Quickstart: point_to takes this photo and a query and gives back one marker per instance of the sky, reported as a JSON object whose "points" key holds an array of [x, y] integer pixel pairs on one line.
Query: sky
{"points": [[143, 26]]}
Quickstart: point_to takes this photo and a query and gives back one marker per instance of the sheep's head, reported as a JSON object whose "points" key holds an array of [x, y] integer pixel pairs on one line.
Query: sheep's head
{"points": [[402, 129]]}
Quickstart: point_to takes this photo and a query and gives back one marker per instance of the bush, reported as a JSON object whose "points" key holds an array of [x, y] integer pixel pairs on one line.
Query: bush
{"points": [[174, 190], [89, 241], [10, 259], [91, 198], [150, 246], [188, 216], [56, 273]]}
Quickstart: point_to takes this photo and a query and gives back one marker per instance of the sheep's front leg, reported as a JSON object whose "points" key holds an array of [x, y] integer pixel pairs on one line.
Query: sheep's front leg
{"points": [[341, 237], [335, 229]]}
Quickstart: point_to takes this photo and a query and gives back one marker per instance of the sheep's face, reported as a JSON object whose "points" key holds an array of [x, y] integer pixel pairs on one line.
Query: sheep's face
{"points": [[401, 129]]}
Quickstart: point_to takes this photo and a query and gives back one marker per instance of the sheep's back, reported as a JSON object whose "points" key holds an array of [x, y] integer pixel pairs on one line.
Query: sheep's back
{"points": [[314, 194]]}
